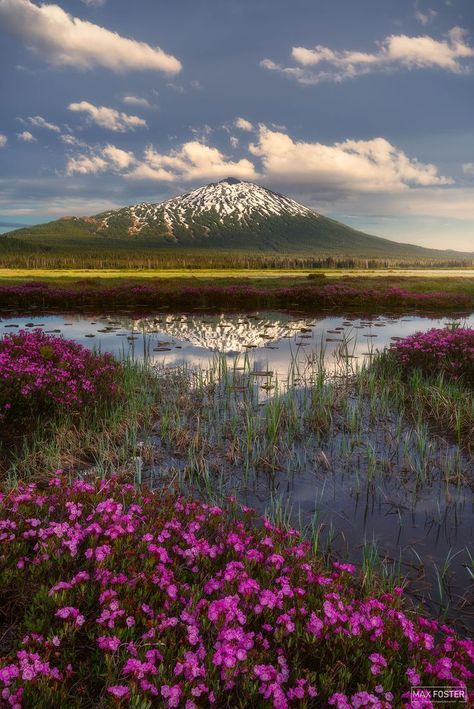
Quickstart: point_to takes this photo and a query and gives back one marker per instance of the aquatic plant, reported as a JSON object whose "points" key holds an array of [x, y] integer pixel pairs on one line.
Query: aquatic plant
{"points": [[448, 351], [41, 375], [116, 596]]}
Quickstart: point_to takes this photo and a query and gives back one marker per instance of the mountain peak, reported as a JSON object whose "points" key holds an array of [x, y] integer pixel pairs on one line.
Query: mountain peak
{"points": [[230, 181], [219, 207]]}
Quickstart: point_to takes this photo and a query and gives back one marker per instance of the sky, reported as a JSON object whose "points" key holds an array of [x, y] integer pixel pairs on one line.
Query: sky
{"points": [[361, 109]]}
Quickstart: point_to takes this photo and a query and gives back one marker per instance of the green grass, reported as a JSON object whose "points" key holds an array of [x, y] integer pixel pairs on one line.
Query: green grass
{"points": [[447, 405]]}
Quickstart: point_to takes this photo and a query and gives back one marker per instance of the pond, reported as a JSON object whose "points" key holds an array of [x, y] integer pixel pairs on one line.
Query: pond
{"points": [[369, 485], [271, 339]]}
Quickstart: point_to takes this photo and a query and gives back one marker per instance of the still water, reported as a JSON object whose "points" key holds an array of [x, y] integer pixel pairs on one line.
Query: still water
{"points": [[271, 339]]}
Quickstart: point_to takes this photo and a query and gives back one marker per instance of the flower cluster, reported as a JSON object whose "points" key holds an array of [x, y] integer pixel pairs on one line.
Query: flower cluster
{"points": [[41, 374], [113, 595], [449, 351], [308, 297]]}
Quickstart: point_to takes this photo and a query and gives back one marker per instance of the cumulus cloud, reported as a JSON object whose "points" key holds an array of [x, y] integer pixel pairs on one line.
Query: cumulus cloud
{"points": [[66, 40], [105, 117], [193, 161], [350, 166], [26, 137], [317, 64], [146, 172], [335, 173], [122, 159], [86, 165], [136, 101], [40, 122], [3, 140], [243, 124], [234, 141], [468, 168], [96, 160]]}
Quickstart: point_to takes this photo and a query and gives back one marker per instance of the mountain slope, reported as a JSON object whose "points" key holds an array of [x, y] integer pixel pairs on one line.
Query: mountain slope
{"points": [[229, 215]]}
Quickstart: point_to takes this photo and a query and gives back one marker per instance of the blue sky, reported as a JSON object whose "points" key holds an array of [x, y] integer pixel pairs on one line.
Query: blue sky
{"points": [[361, 109]]}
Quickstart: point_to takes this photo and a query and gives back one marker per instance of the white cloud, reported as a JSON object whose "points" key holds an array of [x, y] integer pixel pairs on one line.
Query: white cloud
{"points": [[234, 142], [351, 166], [40, 122], [121, 159], [108, 117], [193, 161], [243, 124], [110, 158], [86, 165], [69, 139], [146, 172], [94, 3], [136, 101], [321, 63], [468, 168], [3, 140], [63, 39], [425, 17], [26, 137]]}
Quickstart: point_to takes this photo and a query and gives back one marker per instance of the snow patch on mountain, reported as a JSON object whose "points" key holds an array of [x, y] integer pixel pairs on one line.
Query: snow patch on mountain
{"points": [[238, 200]]}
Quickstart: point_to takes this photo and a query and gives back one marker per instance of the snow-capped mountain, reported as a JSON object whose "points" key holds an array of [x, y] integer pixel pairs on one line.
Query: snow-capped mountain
{"points": [[218, 207], [227, 215]]}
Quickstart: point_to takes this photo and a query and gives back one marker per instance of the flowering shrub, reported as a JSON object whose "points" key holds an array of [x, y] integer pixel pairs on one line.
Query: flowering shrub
{"points": [[41, 374], [116, 596], [448, 350], [309, 296]]}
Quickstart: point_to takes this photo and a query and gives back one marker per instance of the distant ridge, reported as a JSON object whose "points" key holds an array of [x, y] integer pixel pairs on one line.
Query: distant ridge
{"points": [[228, 215]]}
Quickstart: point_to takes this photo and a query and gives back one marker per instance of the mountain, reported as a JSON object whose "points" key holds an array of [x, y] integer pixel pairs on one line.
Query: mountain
{"points": [[227, 215]]}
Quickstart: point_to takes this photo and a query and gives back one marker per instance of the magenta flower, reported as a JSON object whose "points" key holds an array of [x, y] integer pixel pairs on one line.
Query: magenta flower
{"points": [[221, 601], [42, 374], [119, 691], [448, 351]]}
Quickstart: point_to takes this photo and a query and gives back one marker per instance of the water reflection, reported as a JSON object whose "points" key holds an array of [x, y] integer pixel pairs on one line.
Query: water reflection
{"points": [[270, 339]]}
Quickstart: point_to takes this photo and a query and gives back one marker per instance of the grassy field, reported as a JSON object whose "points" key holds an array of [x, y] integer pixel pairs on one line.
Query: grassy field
{"points": [[111, 273], [423, 280]]}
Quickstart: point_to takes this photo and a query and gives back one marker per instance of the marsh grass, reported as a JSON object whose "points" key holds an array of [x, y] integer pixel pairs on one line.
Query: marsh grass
{"points": [[231, 415], [448, 405]]}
